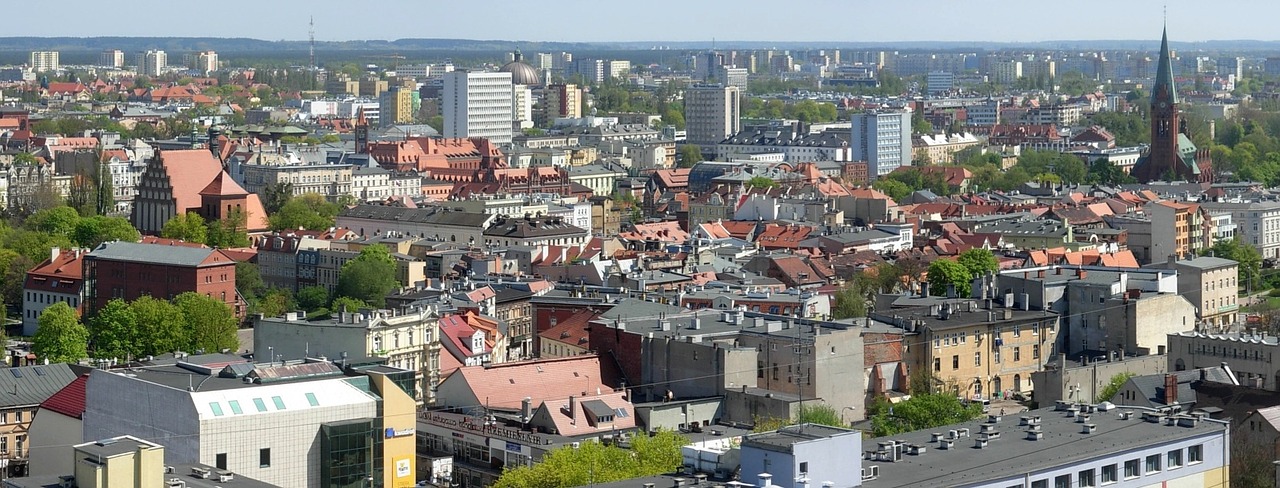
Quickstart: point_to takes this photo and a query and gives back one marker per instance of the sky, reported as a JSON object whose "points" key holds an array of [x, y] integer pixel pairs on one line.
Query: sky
{"points": [[656, 20]]}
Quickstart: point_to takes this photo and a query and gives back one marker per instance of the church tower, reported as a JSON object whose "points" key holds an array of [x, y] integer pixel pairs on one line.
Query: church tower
{"points": [[361, 131], [1169, 153]]}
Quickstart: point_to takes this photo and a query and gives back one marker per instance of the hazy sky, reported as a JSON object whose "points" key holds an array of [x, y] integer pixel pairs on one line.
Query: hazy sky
{"points": [[652, 20]]}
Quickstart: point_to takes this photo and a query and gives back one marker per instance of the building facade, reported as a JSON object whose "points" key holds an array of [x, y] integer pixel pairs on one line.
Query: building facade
{"points": [[129, 270], [478, 104], [711, 114], [882, 138]]}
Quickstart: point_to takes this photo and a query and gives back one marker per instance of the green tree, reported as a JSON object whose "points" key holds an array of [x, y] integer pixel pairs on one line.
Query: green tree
{"points": [[91, 231], [1072, 169], [13, 271], [1113, 386], [821, 414], [161, 326], [249, 281], [275, 303], [347, 303], [978, 261], [311, 298], [850, 301], [113, 331], [308, 211], [209, 322], [369, 277], [921, 411], [230, 231], [761, 182], [944, 272], [689, 155], [59, 221], [188, 227], [895, 189], [60, 337], [1250, 260], [275, 195], [594, 462]]}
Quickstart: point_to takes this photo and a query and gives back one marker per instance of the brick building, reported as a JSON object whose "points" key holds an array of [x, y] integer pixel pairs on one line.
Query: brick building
{"points": [[131, 270]]}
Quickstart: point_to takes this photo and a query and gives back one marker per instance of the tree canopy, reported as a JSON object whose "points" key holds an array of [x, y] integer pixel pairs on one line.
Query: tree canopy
{"points": [[211, 325], [189, 227], [921, 411], [978, 261], [113, 331], [368, 277], [944, 272], [594, 462], [60, 337], [308, 211]]}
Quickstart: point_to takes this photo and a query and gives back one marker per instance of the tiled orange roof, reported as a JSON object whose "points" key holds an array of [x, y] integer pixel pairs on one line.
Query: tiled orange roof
{"points": [[505, 385]]}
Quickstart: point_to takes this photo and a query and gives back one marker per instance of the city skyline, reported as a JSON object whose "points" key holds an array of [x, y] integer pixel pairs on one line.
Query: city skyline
{"points": [[670, 21]]}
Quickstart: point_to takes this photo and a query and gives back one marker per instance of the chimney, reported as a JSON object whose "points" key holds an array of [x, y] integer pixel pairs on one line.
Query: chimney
{"points": [[1040, 274], [53, 253], [765, 480], [1170, 389], [924, 289], [573, 409], [526, 407], [1081, 273]]}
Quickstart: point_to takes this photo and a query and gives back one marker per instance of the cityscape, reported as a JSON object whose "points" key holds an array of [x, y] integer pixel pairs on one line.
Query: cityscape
{"points": [[908, 259]]}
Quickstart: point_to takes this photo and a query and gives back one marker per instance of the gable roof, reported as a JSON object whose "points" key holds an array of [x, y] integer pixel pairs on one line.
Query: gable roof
{"points": [[159, 254], [189, 171], [69, 400], [504, 386], [33, 385]]}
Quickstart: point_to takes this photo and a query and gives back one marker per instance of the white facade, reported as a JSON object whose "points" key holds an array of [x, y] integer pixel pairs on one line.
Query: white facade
{"points": [[522, 106], [711, 114], [478, 104], [883, 140], [207, 61], [34, 302], [111, 58], [152, 63], [1257, 224], [44, 61]]}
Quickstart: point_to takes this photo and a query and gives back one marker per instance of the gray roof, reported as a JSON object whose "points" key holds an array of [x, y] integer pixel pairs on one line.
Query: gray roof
{"points": [[1151, 387], [1207, 262], [32, 385], [428, 215], [783, 439], [633, 307], [1013, 455], [152, 253]]}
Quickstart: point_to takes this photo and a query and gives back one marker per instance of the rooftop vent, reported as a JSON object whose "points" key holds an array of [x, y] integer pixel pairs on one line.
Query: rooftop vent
{"points": [[1035, 435], [980, 443], [1088, 428]]}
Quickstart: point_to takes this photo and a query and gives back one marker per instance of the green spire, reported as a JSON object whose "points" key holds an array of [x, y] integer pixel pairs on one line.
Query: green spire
{"points": [[1164, 73]]}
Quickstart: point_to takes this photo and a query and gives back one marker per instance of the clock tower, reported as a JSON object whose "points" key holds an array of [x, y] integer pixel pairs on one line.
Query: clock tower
{"points": [[1170, 152]]}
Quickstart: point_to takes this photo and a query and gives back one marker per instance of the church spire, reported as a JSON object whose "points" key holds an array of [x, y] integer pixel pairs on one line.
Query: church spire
{"points": [[1164, 88]]}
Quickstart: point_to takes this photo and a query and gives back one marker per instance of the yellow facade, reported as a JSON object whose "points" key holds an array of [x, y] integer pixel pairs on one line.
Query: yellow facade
{"points": [[985, 358], [142, 467], [399, 421]]}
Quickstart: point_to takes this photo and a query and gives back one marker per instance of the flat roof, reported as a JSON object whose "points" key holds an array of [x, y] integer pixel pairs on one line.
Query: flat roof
{"points": [[1012, 454]]}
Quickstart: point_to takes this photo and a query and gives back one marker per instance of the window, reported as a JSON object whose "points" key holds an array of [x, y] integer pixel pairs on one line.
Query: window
{"points": [[1109, 474], [1063, 481], [217, 409], [804, 467], [995, 355], [955, 362], [17, 417], [264, 457], [1153, 464], [1040, 484], [278, 401], [1017, 331], [1086, 478], [4, 417], [257, 402], [1131, 469], [937, 364], [311, 398], [1017, 354], [220, 461], [977, 358], [1035, 351], [1195, 454], [1174, 459]]}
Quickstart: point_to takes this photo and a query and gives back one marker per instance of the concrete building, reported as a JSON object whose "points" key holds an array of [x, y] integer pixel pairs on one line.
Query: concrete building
{"points": [[1250, 355], [59, 279], [1211, 285], [561, 101], [396, 105], [711, 114], [1006, 72], [732, 76], [26, 388], [801, 452], [1110, 314], [478, 104], [44, 61], [127, 461], [1084, 380], [314, 424], [1257, 223], [939, 82], [111, 58], [405, 339], [153, 62], [882, 138]]}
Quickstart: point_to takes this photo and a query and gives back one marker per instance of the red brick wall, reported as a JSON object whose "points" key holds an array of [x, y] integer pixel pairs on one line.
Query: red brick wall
{"points": [[163, 281], [623, 345], [880, 347]]}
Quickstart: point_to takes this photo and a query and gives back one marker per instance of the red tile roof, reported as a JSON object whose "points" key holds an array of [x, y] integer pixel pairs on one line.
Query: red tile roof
{"points": [[69, 400], [505, 385], [223, 185], [61, 274]]}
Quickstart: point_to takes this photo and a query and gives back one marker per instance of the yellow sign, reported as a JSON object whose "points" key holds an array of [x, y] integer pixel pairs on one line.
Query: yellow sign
{"points": [[403, 468]]}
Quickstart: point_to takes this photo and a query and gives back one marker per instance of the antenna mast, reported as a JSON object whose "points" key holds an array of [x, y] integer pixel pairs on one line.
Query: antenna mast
{"points": [[311, 33]]}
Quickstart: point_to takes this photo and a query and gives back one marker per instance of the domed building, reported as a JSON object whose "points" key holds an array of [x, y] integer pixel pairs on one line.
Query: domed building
{"points": [[521, 72]]}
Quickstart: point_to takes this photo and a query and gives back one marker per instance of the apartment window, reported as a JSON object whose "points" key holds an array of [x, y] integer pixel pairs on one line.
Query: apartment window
{"points": [[1109, 474], [955, 361], [1195, 454], [4, 417], [995, 355], [937, 364], [220, 461], [1153, 464], [1017, 354], [1174, 459], [264, 457], [1132, 469], [4, 444], [1040, 484], [804, 467], [1063, 481], [1017, 331], [977, 359], [1086, 478], [1035, 351], [17, 417]]}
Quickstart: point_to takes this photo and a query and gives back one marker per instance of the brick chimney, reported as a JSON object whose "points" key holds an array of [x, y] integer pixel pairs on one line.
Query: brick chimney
{"points": [[1170, 389]]}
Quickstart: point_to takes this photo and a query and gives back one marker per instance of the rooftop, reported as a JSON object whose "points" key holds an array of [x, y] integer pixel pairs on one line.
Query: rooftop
{"points": [[159, 254]]}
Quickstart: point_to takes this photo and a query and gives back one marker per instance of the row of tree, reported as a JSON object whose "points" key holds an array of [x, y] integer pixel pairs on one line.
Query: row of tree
{"points": [[146, 326], [855, 297], [593, 462]]}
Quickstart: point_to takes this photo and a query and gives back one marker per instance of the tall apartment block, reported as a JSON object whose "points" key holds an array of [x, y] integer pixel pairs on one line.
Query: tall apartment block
{"points": [[478, 104]]}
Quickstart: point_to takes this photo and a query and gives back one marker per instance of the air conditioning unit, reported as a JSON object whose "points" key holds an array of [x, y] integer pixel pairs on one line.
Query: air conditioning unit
{"points": [[870, 473]]}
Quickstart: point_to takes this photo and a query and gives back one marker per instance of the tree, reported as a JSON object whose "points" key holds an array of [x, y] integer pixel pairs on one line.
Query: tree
{"points": [[921, 411], [275, 196], [308, 211], [895, 189], [369, 277], [1117, 381], [945, 272], [761, 182], [347, 303], [113, 331], [978, 261], [689, 155], [595, 462], [230, 231], [60, 221], [1250, 260], [13, 271], [310, 298], [188, 227], [249, 281], [849, 302], [91, 231], [60, 337], [161, 326], [275, 303], [821, 414], [209, 322]]}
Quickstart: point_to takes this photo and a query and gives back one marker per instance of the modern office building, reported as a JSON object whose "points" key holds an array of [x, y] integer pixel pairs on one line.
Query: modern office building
{"points": [[44, 61], [940, 82], [732, 76], [711, 114], [882, 138], [299, 424], [478, 104]]}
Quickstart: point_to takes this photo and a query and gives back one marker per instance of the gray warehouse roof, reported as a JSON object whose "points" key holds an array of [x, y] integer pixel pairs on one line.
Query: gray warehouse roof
{"points": [[152, 253]]}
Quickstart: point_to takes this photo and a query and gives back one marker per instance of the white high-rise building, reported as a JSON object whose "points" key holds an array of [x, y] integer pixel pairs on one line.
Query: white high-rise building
{"points": [[207, 62], [618, 69], [711, 114], [152, 63], [478, 104], [44, 61], [111, 58], [522, 106], [882, 138]]}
